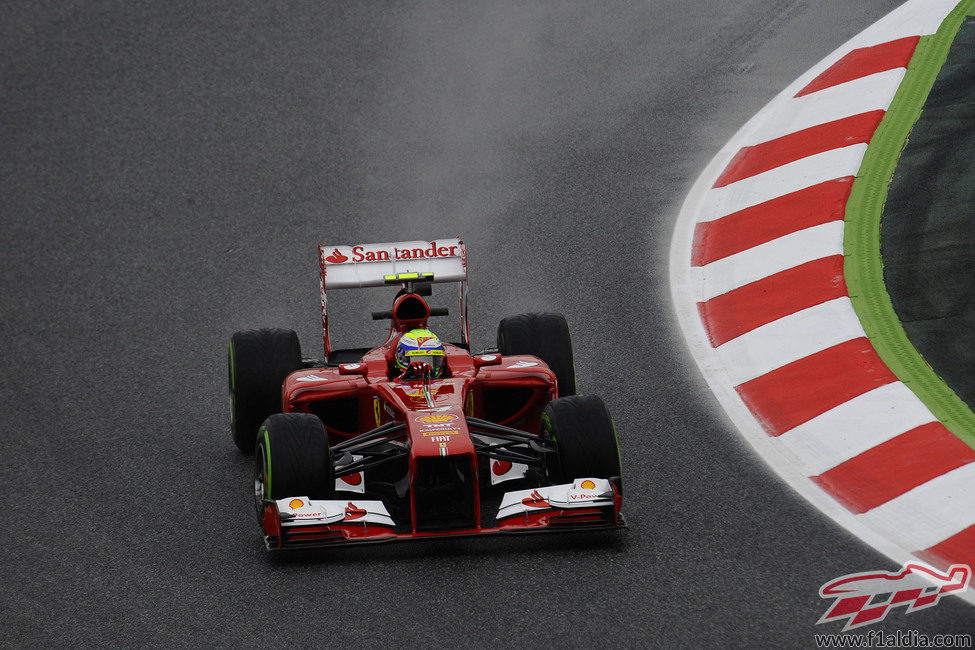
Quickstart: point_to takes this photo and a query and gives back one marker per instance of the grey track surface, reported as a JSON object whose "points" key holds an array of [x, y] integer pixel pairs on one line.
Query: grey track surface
{"points": [[928, 226], [166, 173]]}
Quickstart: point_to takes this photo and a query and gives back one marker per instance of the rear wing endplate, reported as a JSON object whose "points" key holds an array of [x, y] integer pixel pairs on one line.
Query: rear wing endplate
{"points": [[374, 265]]}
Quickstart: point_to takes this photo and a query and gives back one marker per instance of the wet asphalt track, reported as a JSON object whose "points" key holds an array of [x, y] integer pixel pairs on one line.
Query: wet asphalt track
{"points": [[165, 176]]}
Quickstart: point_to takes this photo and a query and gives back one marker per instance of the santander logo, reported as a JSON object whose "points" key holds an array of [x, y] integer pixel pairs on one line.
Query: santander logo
{"points": [[336, 257], [353, 479], [371, 253]]}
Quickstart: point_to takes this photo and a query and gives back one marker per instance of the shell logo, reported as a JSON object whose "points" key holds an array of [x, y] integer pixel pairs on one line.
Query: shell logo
{"points": [[419, 391], [296, 503], [588, 485], [437, 419]]}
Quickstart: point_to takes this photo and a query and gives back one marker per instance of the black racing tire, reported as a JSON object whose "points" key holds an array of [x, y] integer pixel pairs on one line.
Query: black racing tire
{"points": [[543, 335], [257, 363], [584, 437], [292, 459]]}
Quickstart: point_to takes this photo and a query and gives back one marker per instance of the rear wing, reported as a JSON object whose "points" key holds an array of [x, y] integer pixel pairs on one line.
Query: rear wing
{"points": [[375, 265]]}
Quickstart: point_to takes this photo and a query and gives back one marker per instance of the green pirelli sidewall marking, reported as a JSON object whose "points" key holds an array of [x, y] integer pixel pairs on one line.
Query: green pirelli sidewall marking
{"points": [[863, 266], [547, 423]]}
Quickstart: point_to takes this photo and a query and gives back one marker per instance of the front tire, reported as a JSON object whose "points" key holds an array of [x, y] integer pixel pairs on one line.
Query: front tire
{"points": [[293, 459], [584, 437], [258, 361], [545, 336]]}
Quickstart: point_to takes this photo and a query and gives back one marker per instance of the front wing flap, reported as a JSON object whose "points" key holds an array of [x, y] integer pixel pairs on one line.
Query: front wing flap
{"points": [[300, 522], [581, 493], [302, 511]]}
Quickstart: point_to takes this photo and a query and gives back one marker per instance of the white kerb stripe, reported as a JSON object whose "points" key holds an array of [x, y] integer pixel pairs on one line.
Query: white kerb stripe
{"points": [[791, 177], [726, 274], [914, 18], [870, 93], [789, 339], [930, 513], [853, 427]]}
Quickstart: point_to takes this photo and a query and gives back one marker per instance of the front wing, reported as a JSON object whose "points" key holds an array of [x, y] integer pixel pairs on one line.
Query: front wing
{"points": [[300, 522]]}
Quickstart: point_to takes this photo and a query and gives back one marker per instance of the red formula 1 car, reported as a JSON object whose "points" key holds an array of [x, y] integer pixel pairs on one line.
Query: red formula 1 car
{"points": [[356, 449]]}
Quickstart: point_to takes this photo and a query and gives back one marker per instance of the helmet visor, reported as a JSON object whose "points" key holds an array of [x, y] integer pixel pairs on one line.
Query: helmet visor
{"points": [[432, 357]]}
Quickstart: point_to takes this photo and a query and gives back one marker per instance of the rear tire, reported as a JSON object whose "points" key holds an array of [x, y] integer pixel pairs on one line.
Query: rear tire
{"points": [[545, 336], [584, 437], [293, 459], [257, 363]]}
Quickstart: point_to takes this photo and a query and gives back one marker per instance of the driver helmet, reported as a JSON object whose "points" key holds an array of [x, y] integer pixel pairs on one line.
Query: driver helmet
{"points": [[420, 345]]}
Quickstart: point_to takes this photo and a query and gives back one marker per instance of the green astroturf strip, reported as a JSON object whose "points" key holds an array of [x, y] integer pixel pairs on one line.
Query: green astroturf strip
{"points": [[863, 267]]}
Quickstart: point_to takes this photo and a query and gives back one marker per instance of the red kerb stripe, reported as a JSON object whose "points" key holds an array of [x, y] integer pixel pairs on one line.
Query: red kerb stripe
{"points": [[739, 311], [957, 549], [799, 391], [759, 158], [755, 225], [890, 469], [863, 62]]}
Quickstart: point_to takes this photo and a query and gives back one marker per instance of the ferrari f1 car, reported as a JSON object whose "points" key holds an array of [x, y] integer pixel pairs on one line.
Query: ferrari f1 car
{"points": [[355, 449]]}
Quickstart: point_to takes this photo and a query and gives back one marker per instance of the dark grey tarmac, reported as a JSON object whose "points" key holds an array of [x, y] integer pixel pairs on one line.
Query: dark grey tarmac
{"points": [[167, 171]]}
